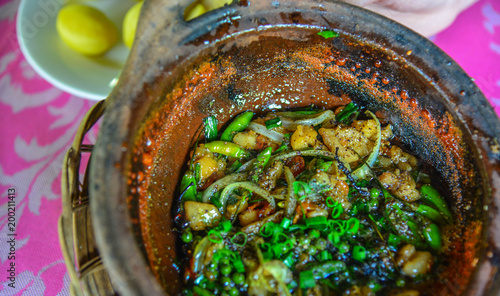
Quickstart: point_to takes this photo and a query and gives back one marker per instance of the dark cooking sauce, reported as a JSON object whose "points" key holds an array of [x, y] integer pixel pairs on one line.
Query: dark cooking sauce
{"points": [[307, 203]]}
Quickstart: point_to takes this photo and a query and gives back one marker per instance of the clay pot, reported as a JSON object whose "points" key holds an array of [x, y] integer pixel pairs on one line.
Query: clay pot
{"points": [[266, 55]]}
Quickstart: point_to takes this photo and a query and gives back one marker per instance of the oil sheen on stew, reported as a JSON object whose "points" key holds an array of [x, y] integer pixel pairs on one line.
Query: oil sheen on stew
{"points": [[309, 202]]}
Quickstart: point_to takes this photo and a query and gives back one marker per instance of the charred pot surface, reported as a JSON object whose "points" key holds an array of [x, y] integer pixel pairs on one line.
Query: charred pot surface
{"points": [[261, 57]]}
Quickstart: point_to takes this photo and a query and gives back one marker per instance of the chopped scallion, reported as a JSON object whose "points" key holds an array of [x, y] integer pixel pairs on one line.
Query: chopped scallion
{"points": [[239, 236], [215, 237], [306, 189], [328, 34], [359, 253]]}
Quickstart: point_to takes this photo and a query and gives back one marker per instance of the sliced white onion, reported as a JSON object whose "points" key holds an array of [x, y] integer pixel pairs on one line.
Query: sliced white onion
{"points": [[292, 122], [361, 172], [291, 202], [249, 186], [260, 129], [222, 183]]}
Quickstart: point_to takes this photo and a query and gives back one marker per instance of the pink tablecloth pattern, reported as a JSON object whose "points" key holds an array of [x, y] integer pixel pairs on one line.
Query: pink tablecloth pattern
{"points": [[38, 123]]}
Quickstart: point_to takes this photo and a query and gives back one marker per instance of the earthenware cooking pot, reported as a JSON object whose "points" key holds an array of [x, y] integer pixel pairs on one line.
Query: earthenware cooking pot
{"points": [[266, 55]]}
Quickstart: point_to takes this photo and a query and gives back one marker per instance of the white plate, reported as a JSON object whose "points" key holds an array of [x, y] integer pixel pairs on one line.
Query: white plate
{"points": [[86, 77]]}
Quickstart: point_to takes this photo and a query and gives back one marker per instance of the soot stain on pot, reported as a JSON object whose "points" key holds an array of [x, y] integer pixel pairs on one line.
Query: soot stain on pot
{"points": [[211, 86]]}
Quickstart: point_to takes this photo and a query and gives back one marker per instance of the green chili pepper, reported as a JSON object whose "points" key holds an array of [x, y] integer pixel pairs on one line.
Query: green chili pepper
{"points": [[237, 125], [227, 148], [188, 186], [433, 236], [210, 123], [400, 221], [235, 166], [413, 235], [197, 172], [430, 213], [260, 163], [202, 292], [346, 113], [431, 195]]}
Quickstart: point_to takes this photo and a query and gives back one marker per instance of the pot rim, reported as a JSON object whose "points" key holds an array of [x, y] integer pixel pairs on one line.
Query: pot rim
{"points": [[114, 234]]}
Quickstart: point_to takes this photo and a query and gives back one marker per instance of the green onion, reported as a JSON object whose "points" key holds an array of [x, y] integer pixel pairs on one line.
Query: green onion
{"points": [[225, 226], [352, 225], [238, 264], [328, 34], [215, 200], [289, 261], [314, 233], [285, 223], [306, 279], [272, 123], [393, 240], [305, 186], [337, 226], [237, 236], [334, 237], [325, 255], [330, 202], [267, 229], [215, 237], [317, 222], [279, 237], [210, 123], [337, 207], [359, 253]]}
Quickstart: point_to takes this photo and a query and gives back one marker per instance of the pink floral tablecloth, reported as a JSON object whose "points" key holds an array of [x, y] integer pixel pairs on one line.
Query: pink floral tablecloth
{"points": [[38, 123]]}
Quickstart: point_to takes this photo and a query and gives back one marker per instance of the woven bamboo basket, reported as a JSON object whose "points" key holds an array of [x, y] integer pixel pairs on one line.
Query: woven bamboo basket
{"points": [[76, 235]]}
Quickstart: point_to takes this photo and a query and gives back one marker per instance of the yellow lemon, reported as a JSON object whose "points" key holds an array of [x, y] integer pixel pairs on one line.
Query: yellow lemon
{"points": [[86, 29], [214, 4], [194, 11], [130, 24]]}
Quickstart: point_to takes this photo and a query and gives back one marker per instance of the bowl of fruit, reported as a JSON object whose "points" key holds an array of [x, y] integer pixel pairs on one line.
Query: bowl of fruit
{"points": [[294, 147]]}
